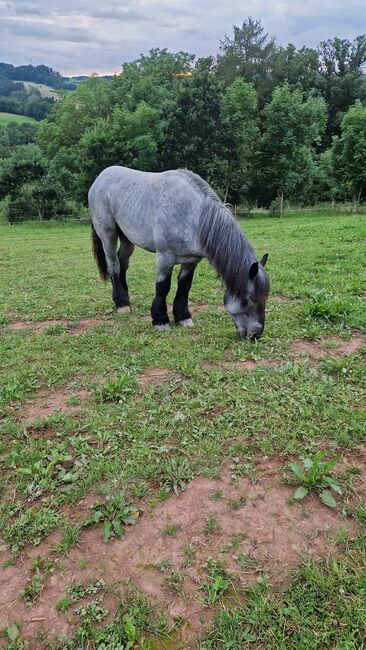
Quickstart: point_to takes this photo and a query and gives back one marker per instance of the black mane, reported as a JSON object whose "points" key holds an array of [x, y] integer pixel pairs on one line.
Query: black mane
{"points": [[223, 241]]}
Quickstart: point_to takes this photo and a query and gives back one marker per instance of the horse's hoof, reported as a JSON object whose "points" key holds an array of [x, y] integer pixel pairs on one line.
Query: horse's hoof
{"points": [[124, 310], [188, 322], [162, 328]]}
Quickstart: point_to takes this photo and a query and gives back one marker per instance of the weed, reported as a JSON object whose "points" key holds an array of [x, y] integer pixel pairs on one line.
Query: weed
{"points": [[245, 562], [211, 526], [217, 580], [30, 593], [12, 632], [238, 503], [31, 526], [77, 591], [117, 390], [360, 513], [114, 512], [164, 566], [54, 330], [92, 612], [174, 582], [170, 530], [326, 307], [235, 542], [315, 475], [70, 535], [216, 495], [176, 474], [189, 555]]}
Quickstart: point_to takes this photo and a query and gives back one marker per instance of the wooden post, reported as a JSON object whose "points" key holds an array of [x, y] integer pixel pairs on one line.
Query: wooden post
{"points": [[281, 204]]}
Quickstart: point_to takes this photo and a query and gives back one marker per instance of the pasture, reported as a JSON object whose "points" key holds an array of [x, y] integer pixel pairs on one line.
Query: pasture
{"points": [[6, 118], [46, 91], [175, 446]]}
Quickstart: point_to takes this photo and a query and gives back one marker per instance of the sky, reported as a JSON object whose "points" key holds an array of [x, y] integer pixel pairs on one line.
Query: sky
{"points": [[97, 36]]}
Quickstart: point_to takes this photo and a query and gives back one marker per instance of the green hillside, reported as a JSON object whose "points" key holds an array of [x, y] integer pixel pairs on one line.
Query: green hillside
{"points": [[5, 118]]}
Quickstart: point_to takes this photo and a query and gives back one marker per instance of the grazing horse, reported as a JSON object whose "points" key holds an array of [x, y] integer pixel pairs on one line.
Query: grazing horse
{"points": [[178, 216]]}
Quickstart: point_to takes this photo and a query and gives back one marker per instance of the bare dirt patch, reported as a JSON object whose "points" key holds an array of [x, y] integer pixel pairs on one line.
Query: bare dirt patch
{"points": [[240, 364], [72, 327], [254, 523], [157, 377], [281, 299], [333, 346], [51, 402]]}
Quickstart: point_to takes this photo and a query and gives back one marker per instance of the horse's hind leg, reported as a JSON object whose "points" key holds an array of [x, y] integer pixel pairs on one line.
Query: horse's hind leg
{"points": [[182, 315], [119, 293], [159, 312], [124, 253]]}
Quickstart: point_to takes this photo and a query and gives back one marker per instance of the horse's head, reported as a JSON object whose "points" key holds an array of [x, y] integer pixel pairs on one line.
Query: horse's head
{"points": [[248, 311]]}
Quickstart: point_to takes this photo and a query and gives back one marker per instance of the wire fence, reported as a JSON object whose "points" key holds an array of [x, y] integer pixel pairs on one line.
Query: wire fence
{"points": [[239, 212]]}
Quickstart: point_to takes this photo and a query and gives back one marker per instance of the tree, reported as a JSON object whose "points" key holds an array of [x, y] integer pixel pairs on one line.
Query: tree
{"points": [[240, 122], [25, 165], [125, 138], [151, 78], [341, 79], [192, 134], [71, 117], [248, 54], [349, 153], [298, 67], [292, 127]]}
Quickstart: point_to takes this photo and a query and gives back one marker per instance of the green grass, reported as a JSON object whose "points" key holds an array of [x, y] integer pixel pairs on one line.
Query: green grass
{"points": [[324, 607], [6, 118], [154, 445]]}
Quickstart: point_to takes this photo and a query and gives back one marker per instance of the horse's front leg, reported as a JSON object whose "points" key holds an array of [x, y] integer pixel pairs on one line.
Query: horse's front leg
{"points": [[159, 312], [182, 315]]}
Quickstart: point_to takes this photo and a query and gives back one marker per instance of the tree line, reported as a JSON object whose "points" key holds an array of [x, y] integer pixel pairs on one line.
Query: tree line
{"points": [[263, 124]]}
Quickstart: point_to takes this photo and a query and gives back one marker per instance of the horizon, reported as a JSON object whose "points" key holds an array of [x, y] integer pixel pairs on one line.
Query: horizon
{"points": [[80, 38]]}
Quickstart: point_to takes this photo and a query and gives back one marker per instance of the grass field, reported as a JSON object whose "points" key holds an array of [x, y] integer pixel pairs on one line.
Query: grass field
{"points": [[100, 410], [46, 91], [6, 118]]}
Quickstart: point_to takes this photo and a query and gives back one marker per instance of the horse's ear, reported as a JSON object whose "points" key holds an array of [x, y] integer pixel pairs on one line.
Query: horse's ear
{"points": [[264, 259], [253, 271]]}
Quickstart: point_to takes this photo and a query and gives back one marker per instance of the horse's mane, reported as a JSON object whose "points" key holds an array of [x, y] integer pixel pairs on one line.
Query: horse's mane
{"points": [[223, 241]]}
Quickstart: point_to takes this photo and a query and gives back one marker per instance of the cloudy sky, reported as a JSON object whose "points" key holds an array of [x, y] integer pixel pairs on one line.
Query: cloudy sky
{"points": [[81, 37]]}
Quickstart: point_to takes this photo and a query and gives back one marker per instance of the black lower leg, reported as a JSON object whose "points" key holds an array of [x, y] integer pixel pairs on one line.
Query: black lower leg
{"points": [[159, 312], [122, 277], [180, 304], [119, 292]]}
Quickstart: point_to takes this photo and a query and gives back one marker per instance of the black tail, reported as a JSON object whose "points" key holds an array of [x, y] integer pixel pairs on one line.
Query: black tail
{"points": [[99, 255]]}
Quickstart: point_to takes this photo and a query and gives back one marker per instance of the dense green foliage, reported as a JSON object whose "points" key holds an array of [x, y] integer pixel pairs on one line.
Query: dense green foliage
{"points": [[263, 124], [16, 98]]}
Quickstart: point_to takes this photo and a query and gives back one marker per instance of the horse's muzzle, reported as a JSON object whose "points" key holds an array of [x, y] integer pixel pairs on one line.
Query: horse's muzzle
{"points": [[253, 336]]}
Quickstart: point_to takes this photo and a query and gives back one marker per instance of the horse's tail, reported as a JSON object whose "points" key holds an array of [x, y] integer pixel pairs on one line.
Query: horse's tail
{"points": [[99, 254]]}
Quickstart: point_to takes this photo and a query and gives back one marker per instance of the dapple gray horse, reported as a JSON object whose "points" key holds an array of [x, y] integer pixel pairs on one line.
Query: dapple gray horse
{"points": [[178, 216]]}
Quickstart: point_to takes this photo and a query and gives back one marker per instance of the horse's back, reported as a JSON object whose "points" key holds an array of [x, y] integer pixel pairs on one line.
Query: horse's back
{"points": [[150, 208]]}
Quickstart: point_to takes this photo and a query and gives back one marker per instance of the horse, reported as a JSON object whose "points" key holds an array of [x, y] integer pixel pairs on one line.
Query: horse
{"points": [[177, 215]]}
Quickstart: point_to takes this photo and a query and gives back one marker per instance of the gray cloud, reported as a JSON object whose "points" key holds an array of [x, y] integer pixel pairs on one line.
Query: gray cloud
{"points": [[89, 36], [46, 32]]}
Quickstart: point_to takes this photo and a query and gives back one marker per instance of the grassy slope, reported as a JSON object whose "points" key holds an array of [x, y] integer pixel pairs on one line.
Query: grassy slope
{"points": [[47, 272], [46, 91], [6, 118]]}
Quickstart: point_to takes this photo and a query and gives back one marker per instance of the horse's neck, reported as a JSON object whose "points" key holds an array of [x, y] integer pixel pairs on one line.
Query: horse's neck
{"points": [[228, 250]]}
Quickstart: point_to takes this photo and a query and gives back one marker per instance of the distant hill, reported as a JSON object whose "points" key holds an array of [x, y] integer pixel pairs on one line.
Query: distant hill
{"points": [[41, 74]]}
